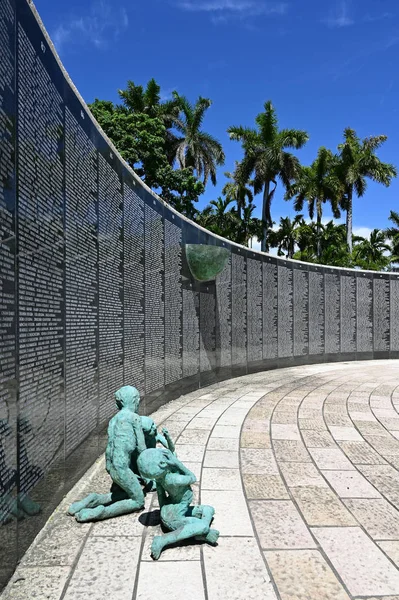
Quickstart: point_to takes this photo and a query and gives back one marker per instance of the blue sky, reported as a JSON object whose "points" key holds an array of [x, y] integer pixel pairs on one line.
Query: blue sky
{"points": [[325, 65]]}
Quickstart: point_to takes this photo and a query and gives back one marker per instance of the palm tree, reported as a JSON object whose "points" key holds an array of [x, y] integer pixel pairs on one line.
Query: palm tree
{"points": [[136, 99], [356, 162], [287, 234], [195, 149], [250, 226], [392, 233], [237, 189], [369, 253], [266, 157], [317, 184], [306, 242], [218, 219]]}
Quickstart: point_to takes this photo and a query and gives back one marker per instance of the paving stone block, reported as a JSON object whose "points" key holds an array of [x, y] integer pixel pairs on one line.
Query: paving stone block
{"points": [[279, 525], [167, 578], [232, 579], [265, 487], [359, 562], [304, 575], [321, 507]]}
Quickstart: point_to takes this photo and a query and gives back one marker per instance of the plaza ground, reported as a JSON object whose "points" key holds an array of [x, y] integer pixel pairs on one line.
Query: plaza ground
{"points": [[302, 467]]}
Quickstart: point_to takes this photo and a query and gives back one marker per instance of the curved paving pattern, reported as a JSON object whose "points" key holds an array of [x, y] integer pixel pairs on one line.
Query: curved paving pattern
{"points": [[301, 465]]}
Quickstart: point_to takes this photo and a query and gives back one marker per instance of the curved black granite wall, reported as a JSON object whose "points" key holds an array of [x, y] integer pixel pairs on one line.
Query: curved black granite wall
{"points": [[95, 290]]}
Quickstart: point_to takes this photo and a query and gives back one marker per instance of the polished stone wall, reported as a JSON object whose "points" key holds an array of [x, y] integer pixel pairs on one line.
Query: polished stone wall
{"points": [[96, 292]]}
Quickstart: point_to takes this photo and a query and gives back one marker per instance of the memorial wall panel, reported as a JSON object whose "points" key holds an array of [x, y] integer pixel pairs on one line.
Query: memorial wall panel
{"points": [[301, 310], [133, 288], [223, 316], [154, 294], [381, 309], [364, 311], [191, 317], [173, 299], [110, 272], [239, 308], [254, 308], [207, 301], [270, 308], [285, 310], [207, 327], [348, 312], [316, 310], [41, 260], [81, 279], [333, 311], [394, 312], [8, 358]]}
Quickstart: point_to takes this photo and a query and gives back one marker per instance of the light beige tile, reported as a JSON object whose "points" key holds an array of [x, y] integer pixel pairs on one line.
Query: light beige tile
{"points": [[221, 479], [302, 474], [350, 484], [361, 453], [279, 525], [349, 434], [95, 576], [201, 423], [167, 576], [318, 439], [265, 487], [198, 437], [256, 461], [250, 439], [290, 451], [379, 518], [359, 562], [222, 459], [227, 431], [392, 550], [231, 516], [256, 426], [36, 582], [331, 458], [190, 452], [232, 579], [226, 444], [321, 507], [304, 575], [285, 432]]}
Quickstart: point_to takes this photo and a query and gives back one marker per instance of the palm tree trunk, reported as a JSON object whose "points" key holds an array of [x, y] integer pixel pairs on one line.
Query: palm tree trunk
{"points": [[349, 216], [318, 227], [266, 217]]}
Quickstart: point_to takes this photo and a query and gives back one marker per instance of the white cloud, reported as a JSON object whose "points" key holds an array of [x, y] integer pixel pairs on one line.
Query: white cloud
{"points": [[339, 16], [221, 11], [363, 232], [97, 27], [379, 17]]}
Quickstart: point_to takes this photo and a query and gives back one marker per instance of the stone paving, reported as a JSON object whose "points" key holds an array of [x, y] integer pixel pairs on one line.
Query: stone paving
{"points": [[302, 467]]}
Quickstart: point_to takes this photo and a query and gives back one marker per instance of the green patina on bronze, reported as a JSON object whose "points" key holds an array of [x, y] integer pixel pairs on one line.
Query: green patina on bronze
{"points": [[182, 519], [206, 262], [125, 442]]}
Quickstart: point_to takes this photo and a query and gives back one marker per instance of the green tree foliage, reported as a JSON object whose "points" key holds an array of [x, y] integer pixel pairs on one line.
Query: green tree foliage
{"points": [[316, 185], [195, 148], [238, 190], [356, 163], [164, 142], [140, 130], [266, 157], [392, 234], [373, 253]]}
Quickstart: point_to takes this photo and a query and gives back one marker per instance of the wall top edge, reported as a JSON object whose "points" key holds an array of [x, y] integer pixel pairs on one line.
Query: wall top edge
{"points": [[154, 194]]}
